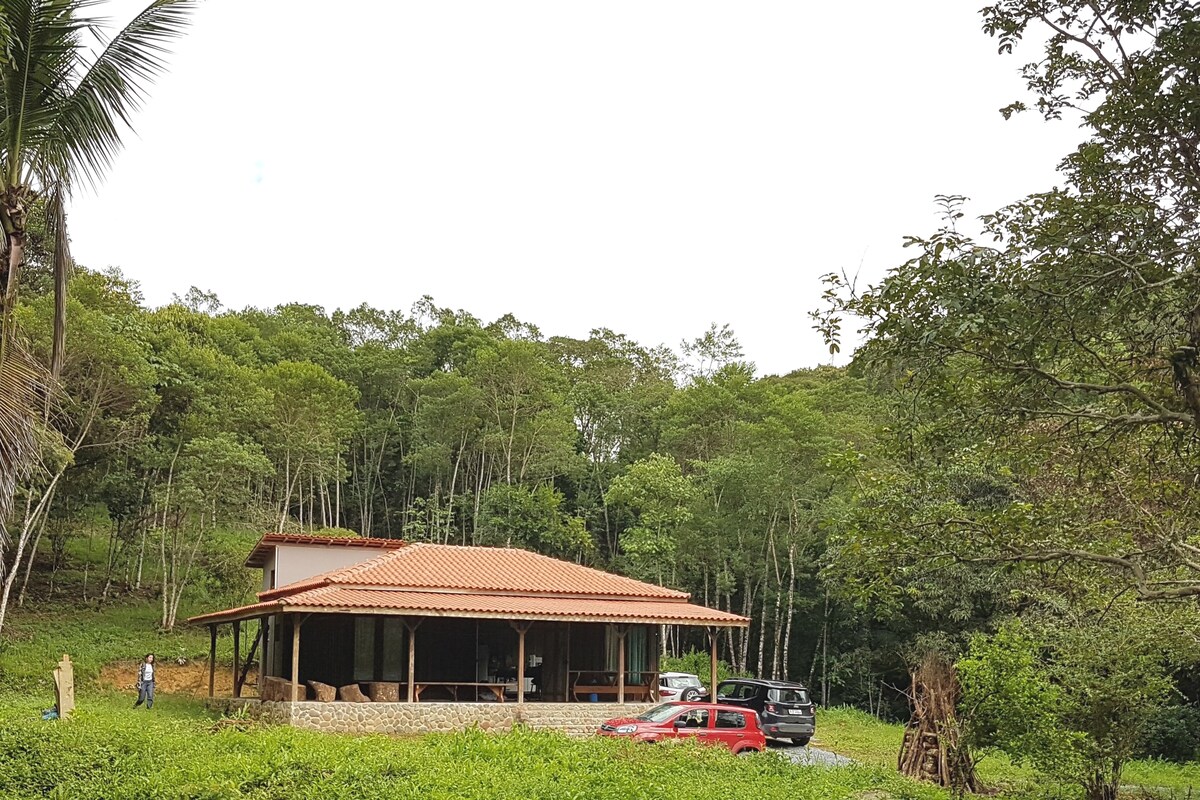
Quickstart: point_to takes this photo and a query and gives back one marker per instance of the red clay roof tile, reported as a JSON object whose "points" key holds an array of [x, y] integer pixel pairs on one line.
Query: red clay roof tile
{"points": [[335, 599], [481, 569]]}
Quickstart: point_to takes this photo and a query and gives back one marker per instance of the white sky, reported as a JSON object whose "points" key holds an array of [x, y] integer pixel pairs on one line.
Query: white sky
{"points": [[650, 166]]}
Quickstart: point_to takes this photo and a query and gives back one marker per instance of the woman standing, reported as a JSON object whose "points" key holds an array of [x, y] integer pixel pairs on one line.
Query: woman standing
{"points": [[145, 682]]}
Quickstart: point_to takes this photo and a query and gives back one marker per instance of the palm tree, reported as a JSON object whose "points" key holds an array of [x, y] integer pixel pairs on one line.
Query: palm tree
{"points": [[63, 109]]}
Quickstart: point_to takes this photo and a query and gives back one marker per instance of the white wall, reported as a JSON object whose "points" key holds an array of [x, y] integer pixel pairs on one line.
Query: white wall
{"points": [[295, 562]]}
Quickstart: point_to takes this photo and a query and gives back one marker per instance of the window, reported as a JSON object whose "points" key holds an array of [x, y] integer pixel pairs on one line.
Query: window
{"points": [[695, 718], [738, 691], [731, 719], [659, 713], [676, 682], [789, 695], [395, 650], [364, 648]]}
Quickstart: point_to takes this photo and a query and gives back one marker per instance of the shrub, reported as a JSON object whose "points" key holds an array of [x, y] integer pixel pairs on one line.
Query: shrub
{"points": [[1173, 734]]}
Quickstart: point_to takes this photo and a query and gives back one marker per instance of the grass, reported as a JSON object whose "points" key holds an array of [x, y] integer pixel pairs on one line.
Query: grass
{"points": [[866, 739], [34, 640], [111, 751]]}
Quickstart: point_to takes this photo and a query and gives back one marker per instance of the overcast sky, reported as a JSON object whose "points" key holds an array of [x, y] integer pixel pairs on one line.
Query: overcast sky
{"points": [[647, 166]]}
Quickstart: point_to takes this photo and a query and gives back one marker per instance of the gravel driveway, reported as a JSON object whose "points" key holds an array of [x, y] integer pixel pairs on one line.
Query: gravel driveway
{"points": [[808, 756]]}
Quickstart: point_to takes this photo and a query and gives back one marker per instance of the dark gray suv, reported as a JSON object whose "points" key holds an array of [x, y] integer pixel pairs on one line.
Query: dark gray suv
{"points": [[785, 711]]}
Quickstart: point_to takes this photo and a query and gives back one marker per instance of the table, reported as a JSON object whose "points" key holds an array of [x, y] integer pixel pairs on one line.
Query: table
{"points": [[497, 689], [645, 692]]}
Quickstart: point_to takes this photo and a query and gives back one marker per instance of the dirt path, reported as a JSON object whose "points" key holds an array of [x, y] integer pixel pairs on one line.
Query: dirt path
{"points": [[190, 678]]}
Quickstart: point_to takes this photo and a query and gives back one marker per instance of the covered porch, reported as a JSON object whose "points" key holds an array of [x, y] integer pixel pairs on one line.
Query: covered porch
{"points": [[384, 656]]}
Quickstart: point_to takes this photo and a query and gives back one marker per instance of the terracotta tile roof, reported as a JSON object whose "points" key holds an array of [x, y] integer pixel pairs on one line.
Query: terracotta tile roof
{"points": [[505, 583], [335, 599], [262, 551], [483, 570]]}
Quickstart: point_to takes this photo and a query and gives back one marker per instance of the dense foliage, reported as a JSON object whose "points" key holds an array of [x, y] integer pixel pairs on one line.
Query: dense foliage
{"points": [[1042, 377]]}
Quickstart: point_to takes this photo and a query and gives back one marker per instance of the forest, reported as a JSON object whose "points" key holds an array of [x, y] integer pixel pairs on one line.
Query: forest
{"points": [[990, 510]]}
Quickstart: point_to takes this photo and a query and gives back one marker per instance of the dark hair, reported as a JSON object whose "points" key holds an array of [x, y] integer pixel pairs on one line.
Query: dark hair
{"points": [[148, 655]]}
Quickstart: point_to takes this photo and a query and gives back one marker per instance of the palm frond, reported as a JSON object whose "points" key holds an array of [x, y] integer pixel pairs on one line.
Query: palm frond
{"points": [[23, 386], [86, 134], [41, 45]]}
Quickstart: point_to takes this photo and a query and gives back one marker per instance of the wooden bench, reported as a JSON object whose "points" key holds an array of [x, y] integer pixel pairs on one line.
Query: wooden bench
{"points": [[453, 687], [636, 692]]}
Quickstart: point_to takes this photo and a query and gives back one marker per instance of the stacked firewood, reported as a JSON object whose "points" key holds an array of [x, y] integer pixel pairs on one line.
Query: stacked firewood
{"points": [[933, 749]]}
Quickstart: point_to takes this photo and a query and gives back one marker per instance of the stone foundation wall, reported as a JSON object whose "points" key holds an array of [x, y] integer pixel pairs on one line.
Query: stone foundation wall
{"points": [[418, 718]]}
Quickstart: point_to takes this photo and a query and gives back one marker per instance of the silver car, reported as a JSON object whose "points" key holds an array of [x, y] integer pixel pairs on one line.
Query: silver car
{"points": [[680, 686]]}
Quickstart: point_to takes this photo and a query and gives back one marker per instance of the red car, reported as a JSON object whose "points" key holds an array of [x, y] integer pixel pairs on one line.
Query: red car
{"points": [[707, 723]]}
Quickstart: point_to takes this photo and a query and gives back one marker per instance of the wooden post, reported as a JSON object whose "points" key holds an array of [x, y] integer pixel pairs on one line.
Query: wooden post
{"points": [[212, 660], [712, 674], [64, 687], [264, 630], [621, 630], [521, 628], [412, 656], [237, 656], [295, 689]]}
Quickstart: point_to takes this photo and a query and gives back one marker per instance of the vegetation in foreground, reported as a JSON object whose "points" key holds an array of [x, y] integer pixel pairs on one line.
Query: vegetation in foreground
{"points": [[872, 742], [111, 751]]}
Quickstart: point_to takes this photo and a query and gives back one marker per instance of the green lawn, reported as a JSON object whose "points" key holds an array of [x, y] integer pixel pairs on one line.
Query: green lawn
{"points": [[864, 738], [111, 751]]}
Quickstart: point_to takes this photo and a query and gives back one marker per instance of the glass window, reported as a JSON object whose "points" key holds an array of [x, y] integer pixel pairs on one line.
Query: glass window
{"points": [[677, 682], [659, 713], [789, 695], [731, 719], [395, 650], [364, 648], [695, 718]]}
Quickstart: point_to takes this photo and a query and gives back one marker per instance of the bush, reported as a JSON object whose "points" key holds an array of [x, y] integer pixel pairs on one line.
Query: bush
{"points": [[1173, 734]]}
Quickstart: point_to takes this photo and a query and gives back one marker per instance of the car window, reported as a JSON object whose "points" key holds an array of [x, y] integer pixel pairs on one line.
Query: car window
{"points": [[735, 691], [731, 719], [680, 683], [694, 718], [789, 695], [659, 713]]}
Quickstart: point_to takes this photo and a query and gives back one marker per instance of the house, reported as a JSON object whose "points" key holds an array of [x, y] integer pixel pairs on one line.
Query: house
{"points": [[428, 622]]}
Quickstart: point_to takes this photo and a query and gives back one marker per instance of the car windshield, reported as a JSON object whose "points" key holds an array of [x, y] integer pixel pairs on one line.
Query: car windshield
{"points": [[660, 713], [789, 695], [682, 682]]}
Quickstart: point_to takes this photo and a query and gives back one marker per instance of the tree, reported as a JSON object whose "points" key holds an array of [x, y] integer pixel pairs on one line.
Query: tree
{"points": [[61, 118], [312, 414], [1072, 333], [1071, 694]]}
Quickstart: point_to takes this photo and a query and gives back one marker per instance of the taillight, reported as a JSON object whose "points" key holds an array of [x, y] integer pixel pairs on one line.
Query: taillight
{"points": [[771, 707]]}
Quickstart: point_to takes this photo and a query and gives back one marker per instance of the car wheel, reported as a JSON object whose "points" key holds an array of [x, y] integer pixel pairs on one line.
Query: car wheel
{"points": [[690, 695], [801, 741]]}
